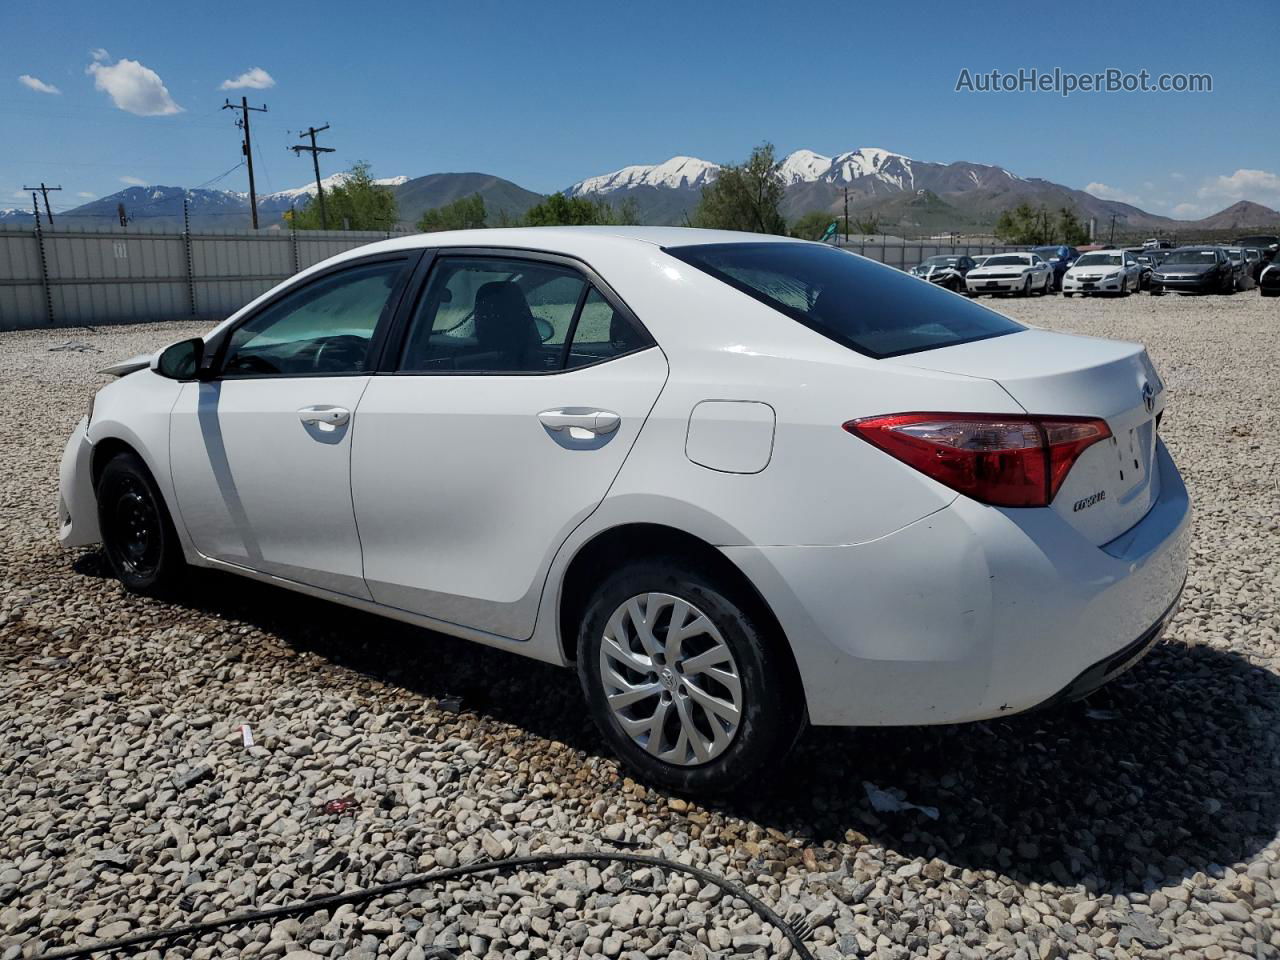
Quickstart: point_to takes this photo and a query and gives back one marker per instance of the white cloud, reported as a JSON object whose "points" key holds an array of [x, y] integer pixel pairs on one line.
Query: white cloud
{"points": [[253, 79], [1260, 186], [98, 54], [1178, 176], [36, 84], [133, 181], [1188, 211], [86, 194], [1104, 192], [131, 86]]}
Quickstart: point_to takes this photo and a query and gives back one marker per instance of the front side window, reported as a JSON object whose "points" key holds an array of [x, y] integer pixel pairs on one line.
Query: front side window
{"points": [[325, 328], [866, 306], [498, 315]]}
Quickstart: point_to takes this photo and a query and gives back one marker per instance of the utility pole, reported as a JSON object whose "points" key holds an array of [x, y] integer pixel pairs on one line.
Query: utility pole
{"points": [[1113, 230], [315, 160], [45, 190], [247, 147], [846, 216]]}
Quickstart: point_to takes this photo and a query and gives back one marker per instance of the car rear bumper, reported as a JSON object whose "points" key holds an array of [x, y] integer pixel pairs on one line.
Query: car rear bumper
{"points": [[971, 612], [77, 505]]}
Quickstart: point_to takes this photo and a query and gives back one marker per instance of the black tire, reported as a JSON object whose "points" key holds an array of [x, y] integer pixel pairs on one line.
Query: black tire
{"points": [[772, 714], [1270, 293], [1048, 286], [138, 536], [1068, 295], [1124, 286], [1026, 288]]}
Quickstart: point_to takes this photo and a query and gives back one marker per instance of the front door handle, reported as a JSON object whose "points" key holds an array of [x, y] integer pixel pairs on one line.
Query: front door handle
{"points": [[323, 415], [581, 421]]}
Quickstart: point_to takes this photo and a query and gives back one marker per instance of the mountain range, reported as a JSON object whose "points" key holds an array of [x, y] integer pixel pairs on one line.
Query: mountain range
{"points": [[906, 196]]}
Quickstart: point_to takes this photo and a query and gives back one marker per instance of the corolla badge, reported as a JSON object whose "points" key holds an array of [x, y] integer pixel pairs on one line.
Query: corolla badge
{"points": [[1148, 396]]}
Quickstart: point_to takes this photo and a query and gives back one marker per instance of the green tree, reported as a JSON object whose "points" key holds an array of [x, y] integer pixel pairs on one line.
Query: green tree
{"points": [[558, 210], [1071, 230], [813, 224], [745, 196], [1022, 224], [465, 213], [355, 204], [868, 223]]}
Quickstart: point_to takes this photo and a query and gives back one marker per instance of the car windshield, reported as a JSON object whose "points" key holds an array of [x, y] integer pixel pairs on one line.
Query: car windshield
{"points": [[1008, 260], [1191, 256], [1098, 260], [1235, 254], [941, 262], [873, 309]]}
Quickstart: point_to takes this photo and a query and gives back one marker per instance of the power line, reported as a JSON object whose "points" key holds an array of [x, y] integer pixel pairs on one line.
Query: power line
{"points": [[45, 190], [315, 160], [247, 147]]}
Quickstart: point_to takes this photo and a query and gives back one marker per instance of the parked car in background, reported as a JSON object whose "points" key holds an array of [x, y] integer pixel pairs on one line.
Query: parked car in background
{"points": [[1020, 273], [1254, 258], [1240, 267], [1194, 270], [1103, 271], [1268, 243], [1059, 258], [1152, 243], [946, 271], [1269, 279], [558, 441], [980, 260], [1147, 259]]}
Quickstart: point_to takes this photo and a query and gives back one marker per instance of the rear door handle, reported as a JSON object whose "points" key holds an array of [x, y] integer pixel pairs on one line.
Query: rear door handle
{"points": [[324, 415], [588, 420]]}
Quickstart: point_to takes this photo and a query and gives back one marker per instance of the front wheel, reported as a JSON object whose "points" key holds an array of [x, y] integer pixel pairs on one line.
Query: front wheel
{"points": [[1026, 288], [1068, 295], [685, 679], [138, 536], [1124, 286]]}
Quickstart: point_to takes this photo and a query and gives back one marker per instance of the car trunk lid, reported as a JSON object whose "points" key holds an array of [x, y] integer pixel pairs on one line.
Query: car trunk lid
{"points": [[1114, 483]]}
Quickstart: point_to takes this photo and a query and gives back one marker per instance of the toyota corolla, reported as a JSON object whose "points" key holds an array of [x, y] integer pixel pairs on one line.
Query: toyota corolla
{"points": [[740, 483]]}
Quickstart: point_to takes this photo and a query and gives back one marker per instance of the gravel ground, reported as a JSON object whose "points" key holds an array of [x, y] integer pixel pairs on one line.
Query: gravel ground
{"points": [[1141, 823]]}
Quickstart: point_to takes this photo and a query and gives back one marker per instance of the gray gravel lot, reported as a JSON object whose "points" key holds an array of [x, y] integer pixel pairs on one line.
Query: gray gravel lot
{"points": [[1141, 823]]}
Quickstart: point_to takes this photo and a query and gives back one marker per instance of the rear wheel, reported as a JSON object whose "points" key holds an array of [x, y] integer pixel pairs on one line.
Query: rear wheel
{"points": [[1048, 284], [1068, 295], [685, 679], [137, 533]]}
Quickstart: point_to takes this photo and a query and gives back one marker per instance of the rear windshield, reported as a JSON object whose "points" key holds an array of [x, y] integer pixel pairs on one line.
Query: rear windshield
{"points": [[873, 309], [1007, 260]]}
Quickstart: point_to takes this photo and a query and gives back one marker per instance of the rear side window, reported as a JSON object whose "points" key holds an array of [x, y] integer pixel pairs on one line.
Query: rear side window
{"points": [[873, 309], [498, 315]]}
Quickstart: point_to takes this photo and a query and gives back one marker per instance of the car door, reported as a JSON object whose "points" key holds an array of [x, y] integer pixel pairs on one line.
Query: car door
{"points": [[519, 387], [261, 451]]}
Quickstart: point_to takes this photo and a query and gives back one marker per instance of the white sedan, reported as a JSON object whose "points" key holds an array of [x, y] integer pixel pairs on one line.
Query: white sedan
{"points": [[1103, 271], [693, 465], [1020, 273]]}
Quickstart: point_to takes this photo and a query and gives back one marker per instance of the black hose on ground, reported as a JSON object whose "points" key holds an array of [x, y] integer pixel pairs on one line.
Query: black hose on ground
{"points": [[762, 909]]}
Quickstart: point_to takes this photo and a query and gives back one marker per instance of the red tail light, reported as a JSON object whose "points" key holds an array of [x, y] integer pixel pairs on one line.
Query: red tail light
{"points": [[1008, 461]]}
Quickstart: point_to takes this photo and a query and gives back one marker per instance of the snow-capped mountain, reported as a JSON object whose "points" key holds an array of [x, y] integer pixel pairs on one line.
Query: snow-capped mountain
{"points": [[802, 166], [678, 173], [329, 182]]}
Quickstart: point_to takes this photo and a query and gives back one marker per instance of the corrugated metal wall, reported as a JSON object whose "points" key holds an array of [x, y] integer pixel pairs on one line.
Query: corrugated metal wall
{"points": [[106, 275], [114, 274]]}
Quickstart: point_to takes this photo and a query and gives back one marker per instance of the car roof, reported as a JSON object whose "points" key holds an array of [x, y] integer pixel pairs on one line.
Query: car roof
{"points": [[574, 241]]}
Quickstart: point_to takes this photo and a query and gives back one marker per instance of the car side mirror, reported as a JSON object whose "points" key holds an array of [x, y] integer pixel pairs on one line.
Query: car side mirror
{"points": [[545, 329], [181, 361]]}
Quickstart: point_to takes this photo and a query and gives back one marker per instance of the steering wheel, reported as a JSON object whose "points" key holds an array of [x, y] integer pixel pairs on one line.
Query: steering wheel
{"points": [[345, 352]]}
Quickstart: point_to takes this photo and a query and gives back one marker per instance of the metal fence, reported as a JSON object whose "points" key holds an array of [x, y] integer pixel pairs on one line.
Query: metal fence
{"points": [[905, 254], [79, 276]]}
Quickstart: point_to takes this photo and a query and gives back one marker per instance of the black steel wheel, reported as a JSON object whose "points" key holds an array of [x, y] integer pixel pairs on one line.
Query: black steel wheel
{"points": [[137, 533]]}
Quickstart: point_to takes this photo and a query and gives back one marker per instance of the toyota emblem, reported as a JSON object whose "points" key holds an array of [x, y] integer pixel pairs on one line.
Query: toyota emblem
{"points": [[1148, 397]]}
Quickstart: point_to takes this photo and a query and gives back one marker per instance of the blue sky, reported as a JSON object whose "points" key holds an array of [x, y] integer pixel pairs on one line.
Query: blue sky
{"points": [[548, 93]]}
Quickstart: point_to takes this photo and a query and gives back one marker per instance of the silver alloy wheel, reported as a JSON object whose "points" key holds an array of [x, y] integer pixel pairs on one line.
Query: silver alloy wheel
{"points": [[670, 679]]}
